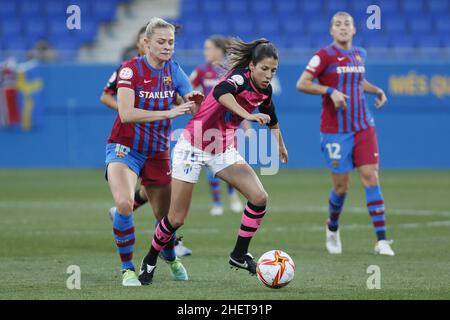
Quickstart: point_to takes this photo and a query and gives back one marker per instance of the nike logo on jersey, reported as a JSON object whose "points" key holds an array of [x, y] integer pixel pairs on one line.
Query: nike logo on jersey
{"points": [[147, 81], [340, 58], [169, 172]]}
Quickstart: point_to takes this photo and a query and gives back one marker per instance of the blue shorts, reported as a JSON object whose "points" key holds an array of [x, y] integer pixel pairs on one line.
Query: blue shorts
{"points": [[345, 151], [119, 153]]}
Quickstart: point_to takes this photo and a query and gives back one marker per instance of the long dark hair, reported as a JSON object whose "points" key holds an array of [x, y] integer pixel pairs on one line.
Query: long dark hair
{"points": [[241, 53]]}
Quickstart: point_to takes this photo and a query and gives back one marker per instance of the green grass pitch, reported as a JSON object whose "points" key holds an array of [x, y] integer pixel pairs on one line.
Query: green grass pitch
{"points": [[52, 219]]}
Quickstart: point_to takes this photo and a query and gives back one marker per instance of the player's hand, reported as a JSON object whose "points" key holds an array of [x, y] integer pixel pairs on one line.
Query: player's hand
{"points": [[282, 151], [196, 96], [381, 99], [339, 99], [261, 118], [184, 108]]}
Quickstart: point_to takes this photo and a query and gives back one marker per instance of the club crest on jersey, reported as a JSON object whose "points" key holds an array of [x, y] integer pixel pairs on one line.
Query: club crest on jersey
{"points": [[126, 73], [358, 58], [121, 151], [335, 163], [167, 80]]}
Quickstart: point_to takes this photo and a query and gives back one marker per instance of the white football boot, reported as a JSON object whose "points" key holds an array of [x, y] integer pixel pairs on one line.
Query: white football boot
{"points": [[383, 247], [235, 203], [111, 213], [216, 210], [334, 245]]}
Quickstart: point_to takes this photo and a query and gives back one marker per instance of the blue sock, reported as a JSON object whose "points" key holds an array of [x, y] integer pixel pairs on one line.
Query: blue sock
{"points": [[231, 189], [375, 205], [214, 187], [335, 204], [169, 250], [123, 228]]}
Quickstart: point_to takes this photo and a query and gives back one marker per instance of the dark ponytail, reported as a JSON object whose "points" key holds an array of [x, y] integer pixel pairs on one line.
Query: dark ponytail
{"points": [[241, 53]]}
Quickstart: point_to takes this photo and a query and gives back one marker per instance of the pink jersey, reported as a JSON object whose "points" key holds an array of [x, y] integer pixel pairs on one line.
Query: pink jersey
{"points": [[206, 76], [154, 89], [344, 70], [213, 128]]}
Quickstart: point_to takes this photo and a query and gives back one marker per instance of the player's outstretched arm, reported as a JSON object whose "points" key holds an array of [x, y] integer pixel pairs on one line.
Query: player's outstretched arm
{"points": [[109, 101], [228, 101], [381, 99], [282, 151], [129, 114]]}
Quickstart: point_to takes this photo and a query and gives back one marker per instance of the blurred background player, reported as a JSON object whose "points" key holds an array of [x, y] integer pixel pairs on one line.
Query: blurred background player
{"points": [[253, 66], [348, 137], [139, 140], [108, 98], [206, 76]]}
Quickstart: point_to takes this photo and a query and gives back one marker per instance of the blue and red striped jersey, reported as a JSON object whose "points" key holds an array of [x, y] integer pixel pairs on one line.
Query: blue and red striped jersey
{"points": [[343, 70], [155, 90]]}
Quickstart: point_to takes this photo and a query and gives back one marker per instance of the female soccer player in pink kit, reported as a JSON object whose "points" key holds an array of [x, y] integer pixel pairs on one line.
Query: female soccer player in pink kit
{"points": [[347, 128], [207, 76], [245, 88], [147, 87]]}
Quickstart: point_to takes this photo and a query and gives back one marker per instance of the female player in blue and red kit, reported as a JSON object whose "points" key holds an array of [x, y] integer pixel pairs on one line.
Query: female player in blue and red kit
{"points": [[147, 87], [245, 88], [207, 76], [140, 196], [347, 128]]}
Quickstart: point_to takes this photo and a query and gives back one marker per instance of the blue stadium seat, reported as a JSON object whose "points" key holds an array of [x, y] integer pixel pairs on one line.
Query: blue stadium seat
{"points": [[55, 8], [217, 25], [377, 41], [317, 24], [17, 44], [88, 31], [311, 7], [397, 24], [279, 41], [321, 39], [360, 6], [292, 24], [85, 6], [445, 40], [428, 42], [258, 7], [7, 8], [236, 6], [389, 6], [190, 6], [212, 7], [413, 6], [193, 27], [196, 42], [30, 8], [57, 26], [11, 26], [406, 41], [332, 6], [438, 5], [241, 24], [442, 25], [102, 12], [268, 27], [286, 6], [300, 41], [420, 24], [36, 28]]}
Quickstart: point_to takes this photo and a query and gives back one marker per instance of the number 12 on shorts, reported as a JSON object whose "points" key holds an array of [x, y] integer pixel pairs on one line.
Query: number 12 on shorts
{"points": [[334, 150]]}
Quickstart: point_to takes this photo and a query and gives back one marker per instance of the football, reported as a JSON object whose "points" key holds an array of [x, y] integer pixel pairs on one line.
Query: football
{"points": [[275, 269]]}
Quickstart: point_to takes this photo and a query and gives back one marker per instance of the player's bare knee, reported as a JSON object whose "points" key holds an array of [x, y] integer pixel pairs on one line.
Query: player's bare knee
{"points": [[341, 188], [260, 198], [125, 206], [176, 221], [369, 179]]}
